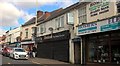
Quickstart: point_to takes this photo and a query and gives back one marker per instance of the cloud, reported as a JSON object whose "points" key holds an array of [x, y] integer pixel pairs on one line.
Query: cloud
{"points": [[8, 14], [26, 4], [2, 31], [26, 16], [67, 3]]}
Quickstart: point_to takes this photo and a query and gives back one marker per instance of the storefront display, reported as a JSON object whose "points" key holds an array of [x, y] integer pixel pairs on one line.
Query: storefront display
{"points": [[104, 47]]}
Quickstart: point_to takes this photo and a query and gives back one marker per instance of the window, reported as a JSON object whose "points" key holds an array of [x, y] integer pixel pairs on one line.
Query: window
{"points": [[70, 18], [118, 7], [38, 30], [62, 21], [42, 28], [82, 15], [26, 31], [59, 22], [83, 19]]}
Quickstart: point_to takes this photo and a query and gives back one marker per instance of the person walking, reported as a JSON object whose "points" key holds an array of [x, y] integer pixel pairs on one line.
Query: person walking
{"points": [[34, 51]]}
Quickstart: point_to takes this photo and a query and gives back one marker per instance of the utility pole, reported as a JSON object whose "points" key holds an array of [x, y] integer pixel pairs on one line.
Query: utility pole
{"points": [[35, 27]]}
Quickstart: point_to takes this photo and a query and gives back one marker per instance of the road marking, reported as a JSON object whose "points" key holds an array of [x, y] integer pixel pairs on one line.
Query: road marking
{"points": [[9, 63], [35, 62]]}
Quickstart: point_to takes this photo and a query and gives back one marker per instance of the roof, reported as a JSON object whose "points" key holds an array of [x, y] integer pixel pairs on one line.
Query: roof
{"points": [[48, 15], [45, 15], [58, 13], [31, 21]]}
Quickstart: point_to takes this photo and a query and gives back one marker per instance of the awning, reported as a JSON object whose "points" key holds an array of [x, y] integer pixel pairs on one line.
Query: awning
{"points": [[28, 42]]}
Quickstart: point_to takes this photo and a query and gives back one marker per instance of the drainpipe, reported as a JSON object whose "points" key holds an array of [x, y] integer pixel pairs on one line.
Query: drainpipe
{"points": [[81, 52]]}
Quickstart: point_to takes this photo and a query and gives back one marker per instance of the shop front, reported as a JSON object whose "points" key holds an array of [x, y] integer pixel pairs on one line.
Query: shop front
{"points": [[55, 46], [27, 44], [103, 47], [101, 41]]}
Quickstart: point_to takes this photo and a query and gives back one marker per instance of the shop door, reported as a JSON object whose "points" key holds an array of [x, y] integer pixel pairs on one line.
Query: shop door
{"points": [[61, 50], [77, 49]]}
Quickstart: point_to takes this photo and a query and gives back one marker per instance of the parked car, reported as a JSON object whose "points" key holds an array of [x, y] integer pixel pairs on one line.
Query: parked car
{"points": [[18, 53], [1, 50], [6, 51]]}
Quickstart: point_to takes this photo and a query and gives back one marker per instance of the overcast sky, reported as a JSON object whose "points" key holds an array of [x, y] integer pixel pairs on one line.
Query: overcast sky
{"points": [[13, 13]]}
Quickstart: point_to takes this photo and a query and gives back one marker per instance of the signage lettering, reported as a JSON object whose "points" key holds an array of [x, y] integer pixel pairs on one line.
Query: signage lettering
{"points": [[97, 8], [54, 36], [101, 26]]}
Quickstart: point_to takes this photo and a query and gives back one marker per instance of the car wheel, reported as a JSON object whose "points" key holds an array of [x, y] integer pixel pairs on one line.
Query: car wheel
{"points": [[13, 56]]}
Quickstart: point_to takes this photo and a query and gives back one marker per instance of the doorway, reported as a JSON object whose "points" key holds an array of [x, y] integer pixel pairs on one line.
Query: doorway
{"points": [[77, 52]]}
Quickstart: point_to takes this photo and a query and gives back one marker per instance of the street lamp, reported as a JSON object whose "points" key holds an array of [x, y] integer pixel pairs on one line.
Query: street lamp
{"points": [[35, 27], [51, 30]]}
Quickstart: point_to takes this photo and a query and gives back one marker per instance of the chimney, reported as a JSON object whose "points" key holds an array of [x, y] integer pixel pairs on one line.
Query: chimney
{"points": [[47, 14], [39, 14]]}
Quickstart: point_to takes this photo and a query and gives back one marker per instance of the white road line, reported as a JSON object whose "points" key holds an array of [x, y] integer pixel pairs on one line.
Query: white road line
{"points": [[35, 62], [9, 63]]}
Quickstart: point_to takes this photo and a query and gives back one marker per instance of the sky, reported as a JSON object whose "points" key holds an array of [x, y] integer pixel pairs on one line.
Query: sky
{"points": [[14, 13]]}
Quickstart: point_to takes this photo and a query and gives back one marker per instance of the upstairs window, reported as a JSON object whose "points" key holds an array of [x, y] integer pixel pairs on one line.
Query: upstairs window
{"points": [[42, 28], [59, 22], [82, 16], [26, 32]]}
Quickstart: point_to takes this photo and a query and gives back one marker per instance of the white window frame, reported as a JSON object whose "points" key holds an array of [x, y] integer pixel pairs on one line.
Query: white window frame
{"points": [[42, 28], [59, 22], [82, 15]]}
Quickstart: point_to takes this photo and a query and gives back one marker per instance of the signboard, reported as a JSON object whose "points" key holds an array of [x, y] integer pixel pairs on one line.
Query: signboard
{"points": [[87, 28], [97, 8], [100, 26]]}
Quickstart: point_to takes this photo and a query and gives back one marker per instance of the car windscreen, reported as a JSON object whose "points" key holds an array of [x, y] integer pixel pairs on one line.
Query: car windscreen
{"points": [[19, 50]]}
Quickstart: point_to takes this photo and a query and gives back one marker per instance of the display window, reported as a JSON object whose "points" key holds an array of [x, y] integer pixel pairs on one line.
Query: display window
{"points": [[103, 48]]}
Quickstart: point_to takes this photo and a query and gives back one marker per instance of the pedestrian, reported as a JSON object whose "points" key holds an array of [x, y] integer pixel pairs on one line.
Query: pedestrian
{"points": [[29, 52], [34, 51]]}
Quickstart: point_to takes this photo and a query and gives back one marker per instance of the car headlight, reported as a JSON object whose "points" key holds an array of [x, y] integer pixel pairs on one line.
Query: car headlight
{"points": [[16, 54]]}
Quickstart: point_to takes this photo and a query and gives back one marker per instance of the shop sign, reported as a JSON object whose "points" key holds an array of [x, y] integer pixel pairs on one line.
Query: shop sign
{"points": [[58, 35], [54, 36], [100, 26], [112, 24], [87, 28], [97, 8]]}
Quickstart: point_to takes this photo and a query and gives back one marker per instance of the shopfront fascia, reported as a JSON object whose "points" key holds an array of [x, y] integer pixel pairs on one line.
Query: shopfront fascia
{"points": [[55, 37], [100, 40]]}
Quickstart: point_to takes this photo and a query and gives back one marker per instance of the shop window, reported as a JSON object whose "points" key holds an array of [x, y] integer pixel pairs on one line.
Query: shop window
{"points": [[115, 53], [103, 49]]}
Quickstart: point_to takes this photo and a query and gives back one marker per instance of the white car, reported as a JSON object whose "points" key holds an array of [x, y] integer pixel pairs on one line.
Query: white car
{"points": [[18, 53]]}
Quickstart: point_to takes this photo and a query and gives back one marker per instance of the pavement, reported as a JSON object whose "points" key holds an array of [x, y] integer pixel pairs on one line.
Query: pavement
{"points": [[51, 62], [46, 61]]}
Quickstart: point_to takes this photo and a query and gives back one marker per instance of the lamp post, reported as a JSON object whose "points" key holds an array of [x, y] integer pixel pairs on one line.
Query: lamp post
{"points": [[35, 27], [51, 30]]}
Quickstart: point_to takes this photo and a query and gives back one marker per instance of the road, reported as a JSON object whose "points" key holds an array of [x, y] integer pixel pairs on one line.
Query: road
{"points": [[7, 60]]}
